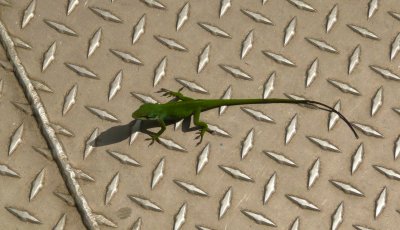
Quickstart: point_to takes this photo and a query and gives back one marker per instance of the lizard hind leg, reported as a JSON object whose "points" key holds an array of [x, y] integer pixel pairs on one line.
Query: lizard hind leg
{"points": [[201, 124]]}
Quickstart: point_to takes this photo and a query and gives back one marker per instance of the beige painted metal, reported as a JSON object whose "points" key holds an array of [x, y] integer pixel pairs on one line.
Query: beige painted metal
{"points": [[181, 166]]}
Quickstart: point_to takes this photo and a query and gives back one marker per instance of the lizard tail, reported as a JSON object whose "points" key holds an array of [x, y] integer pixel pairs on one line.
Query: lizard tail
{"points": [[325, 107], [312, 104]]}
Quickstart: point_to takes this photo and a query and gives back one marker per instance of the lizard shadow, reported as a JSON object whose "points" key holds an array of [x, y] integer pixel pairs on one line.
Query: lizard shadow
{"points": [[120, 133]]}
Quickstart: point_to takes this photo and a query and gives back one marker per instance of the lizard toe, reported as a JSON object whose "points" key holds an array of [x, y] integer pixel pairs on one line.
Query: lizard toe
{"points": [[201, 140], [151, 141], [162, 90]]}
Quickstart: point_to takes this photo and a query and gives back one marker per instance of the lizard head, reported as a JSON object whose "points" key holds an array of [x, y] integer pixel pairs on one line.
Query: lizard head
{"points": [[145, 112]]}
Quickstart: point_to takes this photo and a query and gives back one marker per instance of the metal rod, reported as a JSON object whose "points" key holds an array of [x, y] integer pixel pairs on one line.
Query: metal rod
{"points": [[66, 170]]}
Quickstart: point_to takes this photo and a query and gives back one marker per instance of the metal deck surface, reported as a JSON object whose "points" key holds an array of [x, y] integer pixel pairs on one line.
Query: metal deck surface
{"points": [[266, 166]]}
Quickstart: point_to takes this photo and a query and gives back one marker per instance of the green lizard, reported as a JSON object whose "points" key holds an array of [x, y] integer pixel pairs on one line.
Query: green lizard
{"points": [[185, 107]]}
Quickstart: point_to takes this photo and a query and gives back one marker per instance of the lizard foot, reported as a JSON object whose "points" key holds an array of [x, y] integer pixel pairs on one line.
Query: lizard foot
{"points": [[200, 135], [153, 138], [168, 93], [165, 92]]}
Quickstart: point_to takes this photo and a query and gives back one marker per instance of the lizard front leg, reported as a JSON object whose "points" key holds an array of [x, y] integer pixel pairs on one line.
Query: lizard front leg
{"points": [[155, 137], [178, 94], [201, 124]]}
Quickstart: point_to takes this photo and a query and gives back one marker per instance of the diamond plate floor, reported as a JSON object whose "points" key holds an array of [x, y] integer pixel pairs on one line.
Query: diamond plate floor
{"points": [[98, 61]]}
